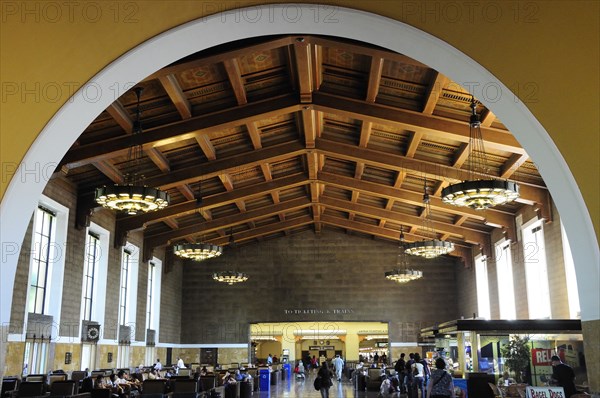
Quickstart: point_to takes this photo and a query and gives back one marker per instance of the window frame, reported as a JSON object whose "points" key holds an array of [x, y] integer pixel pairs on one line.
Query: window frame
{"points": [[536, 277], [505, 279], [483, 306]]}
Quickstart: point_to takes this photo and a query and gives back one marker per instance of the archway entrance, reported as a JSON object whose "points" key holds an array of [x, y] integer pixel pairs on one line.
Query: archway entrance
{"points": [[177, 43]]}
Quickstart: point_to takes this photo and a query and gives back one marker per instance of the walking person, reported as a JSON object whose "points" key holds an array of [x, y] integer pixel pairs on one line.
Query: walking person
{"points": [[325, 376], [440, 383], [400, 368], [338, 366], [418, 372], [408, 381]]}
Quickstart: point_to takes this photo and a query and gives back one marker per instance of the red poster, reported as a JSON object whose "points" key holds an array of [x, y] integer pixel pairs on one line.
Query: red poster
{"points": [[541, 356]]}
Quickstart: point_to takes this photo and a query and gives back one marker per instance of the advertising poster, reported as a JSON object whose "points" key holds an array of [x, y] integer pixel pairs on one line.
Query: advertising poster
{"points": [[541, 364]]}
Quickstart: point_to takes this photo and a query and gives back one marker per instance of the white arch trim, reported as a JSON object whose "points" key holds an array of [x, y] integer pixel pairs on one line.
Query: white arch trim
{"points": [[73, 117]]}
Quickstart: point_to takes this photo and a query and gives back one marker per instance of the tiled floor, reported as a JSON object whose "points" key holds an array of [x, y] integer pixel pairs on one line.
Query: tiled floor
{"points": [[304, 389]]}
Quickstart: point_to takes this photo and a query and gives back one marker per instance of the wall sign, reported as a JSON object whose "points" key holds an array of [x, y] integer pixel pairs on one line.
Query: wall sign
{"points": [[544, 392], [68, 357], [315, 311]]}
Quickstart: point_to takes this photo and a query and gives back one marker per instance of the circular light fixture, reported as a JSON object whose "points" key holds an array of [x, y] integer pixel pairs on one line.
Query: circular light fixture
{"points": [[132, 199], [230, 277], [429, 248], [480, 194], [404, 275], [197, 251]]}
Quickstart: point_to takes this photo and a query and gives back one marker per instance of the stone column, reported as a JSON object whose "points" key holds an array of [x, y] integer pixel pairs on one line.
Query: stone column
{"points": [[591, 349]]}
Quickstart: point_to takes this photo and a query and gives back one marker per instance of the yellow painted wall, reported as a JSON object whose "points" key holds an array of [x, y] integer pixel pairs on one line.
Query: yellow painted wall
{"points": [[59, 357], [14, 359], [547, 52]]}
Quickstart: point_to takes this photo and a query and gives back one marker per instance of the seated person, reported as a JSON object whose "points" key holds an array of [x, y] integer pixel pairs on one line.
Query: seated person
{"points": [[505, 379], [229, 380], [99, 382], [124, 382]]}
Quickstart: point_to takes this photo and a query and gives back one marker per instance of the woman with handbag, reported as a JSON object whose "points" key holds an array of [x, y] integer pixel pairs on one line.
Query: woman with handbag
{"points": [[325, 375], [440, 383]]}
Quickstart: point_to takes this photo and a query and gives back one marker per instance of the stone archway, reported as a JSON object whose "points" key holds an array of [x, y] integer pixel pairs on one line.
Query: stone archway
{"points": [[172, 45]]}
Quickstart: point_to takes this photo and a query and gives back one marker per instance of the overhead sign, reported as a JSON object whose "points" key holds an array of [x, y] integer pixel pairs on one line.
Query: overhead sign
{"points": [[544, 392]]}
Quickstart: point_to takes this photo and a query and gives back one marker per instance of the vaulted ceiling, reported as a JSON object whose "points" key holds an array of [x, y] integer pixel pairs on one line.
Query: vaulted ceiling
{"points": [[279, 135]]}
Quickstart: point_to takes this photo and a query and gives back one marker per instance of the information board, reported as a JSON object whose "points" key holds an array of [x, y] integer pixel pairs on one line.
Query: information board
{"points": [[544, 392]]}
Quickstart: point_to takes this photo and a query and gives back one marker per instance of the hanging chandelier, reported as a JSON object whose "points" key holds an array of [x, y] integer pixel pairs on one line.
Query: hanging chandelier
{"points": [[433, 247], [133, 196], [479, 194], [230, 277], [402, 273], [198, 251]]}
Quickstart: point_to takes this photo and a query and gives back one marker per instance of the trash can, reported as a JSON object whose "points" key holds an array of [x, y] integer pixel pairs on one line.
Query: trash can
{"points": [[287, 369], [246, 389], [264, 379]]}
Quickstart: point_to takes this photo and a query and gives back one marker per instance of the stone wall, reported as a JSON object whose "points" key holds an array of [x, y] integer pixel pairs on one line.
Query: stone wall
{"points": [[307, 277]]}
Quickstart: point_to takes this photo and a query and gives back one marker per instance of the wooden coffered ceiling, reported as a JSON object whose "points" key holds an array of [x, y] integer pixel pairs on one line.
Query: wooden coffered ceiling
{"points": [[278, 135]]}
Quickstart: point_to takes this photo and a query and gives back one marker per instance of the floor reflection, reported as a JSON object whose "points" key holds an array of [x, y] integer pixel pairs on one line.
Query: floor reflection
{"points": [[304, 388]]}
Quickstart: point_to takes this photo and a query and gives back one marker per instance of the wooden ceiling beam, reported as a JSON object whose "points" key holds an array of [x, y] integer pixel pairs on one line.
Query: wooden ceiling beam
{"points": [[317, 65], [121, 116], [390, 234], [428, 125], [181, 130], [158, 159], [413, 143], [512, 165], [435, 89], [302, 56], [232, 67], [187, 192], [487, 118], [174, 91], [489, 217], [228, 184], [109, 170], [186, 65], [437, 189], [206, 146], [366, 129], [258, 232], [254, 134], [226, 222], [374, 78], [207, 170], [471, 236], [461, 155], [131, 223], [309, 126], [171, 223], [364, 50], [529, 192]]}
